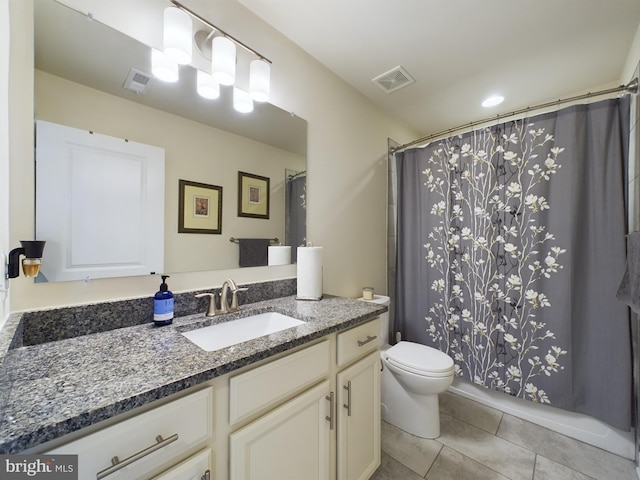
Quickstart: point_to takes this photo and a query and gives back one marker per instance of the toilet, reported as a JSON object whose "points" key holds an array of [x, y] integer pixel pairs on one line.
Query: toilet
{"points": [[412, 377]]}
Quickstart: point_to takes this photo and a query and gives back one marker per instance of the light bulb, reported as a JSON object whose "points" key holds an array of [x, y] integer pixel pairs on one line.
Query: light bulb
{"points": [[259, 80], [163, 67], [207, 87], [242, 101], [177, 35], [493, 101], [223, 60]]}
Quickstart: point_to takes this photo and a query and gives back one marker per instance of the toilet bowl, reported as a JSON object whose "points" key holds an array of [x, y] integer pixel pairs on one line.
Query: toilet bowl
{"points": [[412, 377]]}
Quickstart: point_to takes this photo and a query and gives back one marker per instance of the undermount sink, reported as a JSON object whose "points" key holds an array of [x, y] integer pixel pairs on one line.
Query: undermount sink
{"points": [[221, 335]]}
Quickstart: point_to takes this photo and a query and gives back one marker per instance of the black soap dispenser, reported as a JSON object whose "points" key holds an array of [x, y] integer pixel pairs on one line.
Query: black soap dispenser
{"points": [[163, 304]]}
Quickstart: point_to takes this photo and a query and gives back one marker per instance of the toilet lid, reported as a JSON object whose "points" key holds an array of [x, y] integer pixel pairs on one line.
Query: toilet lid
{"points": [[420, 358]]}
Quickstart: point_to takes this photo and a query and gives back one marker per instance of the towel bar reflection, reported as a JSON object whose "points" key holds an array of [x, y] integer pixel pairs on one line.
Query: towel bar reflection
{"points": [[271, 240]]}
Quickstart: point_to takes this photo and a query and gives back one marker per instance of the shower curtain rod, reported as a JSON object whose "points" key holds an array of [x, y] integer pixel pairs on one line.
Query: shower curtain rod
{"points": [[631, 87], [296, 175]]}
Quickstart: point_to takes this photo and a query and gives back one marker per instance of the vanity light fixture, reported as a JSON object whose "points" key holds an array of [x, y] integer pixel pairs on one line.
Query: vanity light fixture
{"points": [[177, 35], [163, 67], [32, 252], [493, 100], [223, 57]]}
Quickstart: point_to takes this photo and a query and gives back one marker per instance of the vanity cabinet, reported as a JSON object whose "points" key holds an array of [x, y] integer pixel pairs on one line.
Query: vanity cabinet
{"points": [[329, 431], [358, 425], [145, 444], [358, 401]]}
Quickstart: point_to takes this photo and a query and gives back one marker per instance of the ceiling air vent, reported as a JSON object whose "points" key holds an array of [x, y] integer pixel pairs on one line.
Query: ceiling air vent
{"points": [[138, 82], [393, 80]]}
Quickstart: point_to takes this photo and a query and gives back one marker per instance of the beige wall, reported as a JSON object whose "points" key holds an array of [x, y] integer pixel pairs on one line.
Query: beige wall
{"points": [[193, 152], [347, 143], [4, 148]]}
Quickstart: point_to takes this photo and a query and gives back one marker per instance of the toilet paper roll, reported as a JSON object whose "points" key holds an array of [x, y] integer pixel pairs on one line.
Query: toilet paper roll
{"points": [[279, 255], [309, 273]]}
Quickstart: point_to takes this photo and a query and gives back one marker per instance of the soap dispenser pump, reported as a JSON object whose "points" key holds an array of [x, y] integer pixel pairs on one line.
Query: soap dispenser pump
{"points": [[163, 304]]}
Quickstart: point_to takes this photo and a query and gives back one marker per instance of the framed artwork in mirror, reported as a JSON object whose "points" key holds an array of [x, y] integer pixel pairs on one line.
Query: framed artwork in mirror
{"points": [[253, 195], [199, 208]]}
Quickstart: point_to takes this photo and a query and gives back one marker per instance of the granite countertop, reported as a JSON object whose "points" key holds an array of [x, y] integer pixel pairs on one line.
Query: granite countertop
{"points": [[52, 389]]}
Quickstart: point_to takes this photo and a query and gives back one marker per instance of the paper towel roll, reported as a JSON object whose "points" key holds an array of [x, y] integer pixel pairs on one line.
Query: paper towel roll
{"points": [[279, 255], [309, 273]]}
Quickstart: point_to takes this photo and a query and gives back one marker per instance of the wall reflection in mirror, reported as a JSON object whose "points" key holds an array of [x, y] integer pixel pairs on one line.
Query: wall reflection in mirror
{"points": [[80, 81]]}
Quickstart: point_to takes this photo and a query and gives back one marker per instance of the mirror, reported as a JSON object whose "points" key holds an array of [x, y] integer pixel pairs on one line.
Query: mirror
{"points": [[81, 68]]}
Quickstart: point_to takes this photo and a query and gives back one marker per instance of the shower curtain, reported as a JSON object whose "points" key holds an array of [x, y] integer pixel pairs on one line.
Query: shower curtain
{"points": [[296, 217], [511, 246]]}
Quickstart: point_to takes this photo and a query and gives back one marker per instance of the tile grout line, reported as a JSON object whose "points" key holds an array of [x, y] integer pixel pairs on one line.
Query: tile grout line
{"points": [[442, 445]]}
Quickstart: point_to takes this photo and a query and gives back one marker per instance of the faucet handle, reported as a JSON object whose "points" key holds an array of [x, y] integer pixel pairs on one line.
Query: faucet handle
{"points": [[211, 309], [234, 299]]}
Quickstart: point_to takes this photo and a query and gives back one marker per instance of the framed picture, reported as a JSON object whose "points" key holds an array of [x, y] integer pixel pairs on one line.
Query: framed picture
{"points": [[199, 208], [253, 195]]}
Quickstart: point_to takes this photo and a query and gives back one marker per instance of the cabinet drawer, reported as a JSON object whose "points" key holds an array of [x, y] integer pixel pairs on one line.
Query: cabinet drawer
{"points": [[182, 424], [266, 386], [194, 467], [356, 342]]}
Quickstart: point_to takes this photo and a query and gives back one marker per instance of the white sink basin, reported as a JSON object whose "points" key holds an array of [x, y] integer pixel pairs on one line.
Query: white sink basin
{"points": [[221, 335]]}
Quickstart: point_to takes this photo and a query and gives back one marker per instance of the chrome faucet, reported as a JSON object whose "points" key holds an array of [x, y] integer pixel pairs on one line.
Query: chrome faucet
{"points": [[228, 285]]}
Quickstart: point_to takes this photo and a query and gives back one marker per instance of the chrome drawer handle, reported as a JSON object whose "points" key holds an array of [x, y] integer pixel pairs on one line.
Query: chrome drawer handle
{"points": [[370, 338], [329, 417], [206, 476], [116, 464], [347, 405]]}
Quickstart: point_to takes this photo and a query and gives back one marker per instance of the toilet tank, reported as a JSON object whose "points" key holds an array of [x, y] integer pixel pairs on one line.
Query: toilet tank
{"points": [[384, 317]]}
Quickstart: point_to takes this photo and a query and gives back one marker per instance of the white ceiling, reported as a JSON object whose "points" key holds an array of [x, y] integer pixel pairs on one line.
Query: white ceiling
{"points": [[460, 51]]}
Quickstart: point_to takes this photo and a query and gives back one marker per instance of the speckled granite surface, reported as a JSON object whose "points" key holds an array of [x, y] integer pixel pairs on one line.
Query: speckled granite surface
{"points": [[52, 389]]}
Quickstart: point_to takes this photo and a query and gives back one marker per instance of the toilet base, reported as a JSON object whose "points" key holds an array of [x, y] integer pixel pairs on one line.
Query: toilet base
{"points": [[418, 415]]}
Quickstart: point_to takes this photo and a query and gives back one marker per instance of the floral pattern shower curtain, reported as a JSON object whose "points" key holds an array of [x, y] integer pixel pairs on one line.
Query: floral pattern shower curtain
{"points": [[510, 250]]}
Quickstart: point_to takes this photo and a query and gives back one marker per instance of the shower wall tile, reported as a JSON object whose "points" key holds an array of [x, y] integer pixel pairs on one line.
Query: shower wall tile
{"points": [[504, 457], [579, 456], [634, 162], [392, 233], [391, 220], [393, 176], [634, 100], [634, 167], [634, 205], [392, 245]]}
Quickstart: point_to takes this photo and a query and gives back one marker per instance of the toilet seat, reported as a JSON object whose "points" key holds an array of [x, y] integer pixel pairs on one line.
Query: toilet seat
{"points": [[420, 359]]}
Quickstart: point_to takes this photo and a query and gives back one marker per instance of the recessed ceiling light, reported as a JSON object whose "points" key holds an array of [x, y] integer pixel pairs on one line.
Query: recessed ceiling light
{"points": [[493, 101]]}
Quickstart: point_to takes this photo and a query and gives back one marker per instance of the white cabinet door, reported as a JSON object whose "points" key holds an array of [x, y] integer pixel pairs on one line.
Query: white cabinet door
{"points": [[290, 442], [359, 419], [196, 467]]}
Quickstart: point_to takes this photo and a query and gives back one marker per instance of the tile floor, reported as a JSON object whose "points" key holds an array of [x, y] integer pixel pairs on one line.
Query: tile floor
{"points": [[480, 443]]}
